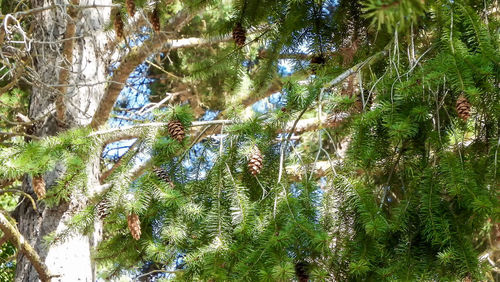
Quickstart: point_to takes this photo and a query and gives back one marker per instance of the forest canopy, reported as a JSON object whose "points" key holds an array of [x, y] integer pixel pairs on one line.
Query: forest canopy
{"points": [[249, 140]]}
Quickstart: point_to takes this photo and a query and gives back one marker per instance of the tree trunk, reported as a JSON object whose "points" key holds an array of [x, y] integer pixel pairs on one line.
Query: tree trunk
{"points": [[82, 85]]}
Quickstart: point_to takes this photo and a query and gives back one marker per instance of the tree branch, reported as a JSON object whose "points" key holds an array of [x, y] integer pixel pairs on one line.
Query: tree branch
{"points": [[68, 60], [17, 239], [125, 130], [133, 59]]}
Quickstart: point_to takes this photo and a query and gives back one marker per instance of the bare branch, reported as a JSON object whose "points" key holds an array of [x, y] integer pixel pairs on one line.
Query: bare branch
{"points": [[17, 239], [54, 6], [68, 60], [133, 59], [124, 129]]}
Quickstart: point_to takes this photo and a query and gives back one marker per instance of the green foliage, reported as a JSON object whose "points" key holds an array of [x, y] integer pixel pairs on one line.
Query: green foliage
{"points": [[409, 201], [411, 198]]}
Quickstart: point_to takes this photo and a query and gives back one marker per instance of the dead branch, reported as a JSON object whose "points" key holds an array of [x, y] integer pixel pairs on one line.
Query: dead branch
{"points": [[129, 63], [68, 60]]}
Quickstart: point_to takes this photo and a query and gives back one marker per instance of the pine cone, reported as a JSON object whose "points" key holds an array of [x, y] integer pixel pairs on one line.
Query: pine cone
{"points": [[103, 209], [130, 7], [39, 186], [255, 162], [118, 25], [134, 225], [316, 62], [163, 175], [463, 107], [301, 270], [239, 35], [176, 130], [155, 20]]}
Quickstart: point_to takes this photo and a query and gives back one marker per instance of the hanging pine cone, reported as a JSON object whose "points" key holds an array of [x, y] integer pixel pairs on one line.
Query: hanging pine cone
{"points": [[316, 62], [255, 162], [239, 35], [301, 270], [103, 209], [39, 186], [155, 20], [130, 7], [134, 225], [176, 130], [163, 175], [118, 25], [463, 107]]}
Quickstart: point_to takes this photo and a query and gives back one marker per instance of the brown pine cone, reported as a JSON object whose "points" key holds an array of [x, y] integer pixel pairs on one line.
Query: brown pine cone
{"points": [[130, 7], [463, 107], [302, 271], [316, 62], [103, 209], [163, 175], [39, 186], [118, 23], [134, 225], [255, 161], [176, 130], [155, 20], [239, 35]]}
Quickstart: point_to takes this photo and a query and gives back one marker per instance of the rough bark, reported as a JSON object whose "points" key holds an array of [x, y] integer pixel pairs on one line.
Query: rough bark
{"points": [[77, 71]]}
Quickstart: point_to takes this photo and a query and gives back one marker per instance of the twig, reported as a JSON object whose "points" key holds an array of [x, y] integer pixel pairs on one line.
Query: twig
{"points": [[12, 190], [158, 271]]}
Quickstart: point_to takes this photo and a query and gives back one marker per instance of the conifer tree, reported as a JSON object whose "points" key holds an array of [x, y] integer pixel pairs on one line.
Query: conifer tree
{"points": [[250, 140]]}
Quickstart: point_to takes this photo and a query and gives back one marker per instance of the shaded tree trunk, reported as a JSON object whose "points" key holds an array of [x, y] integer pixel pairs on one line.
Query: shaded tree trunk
{"points": [[82, 86]]}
